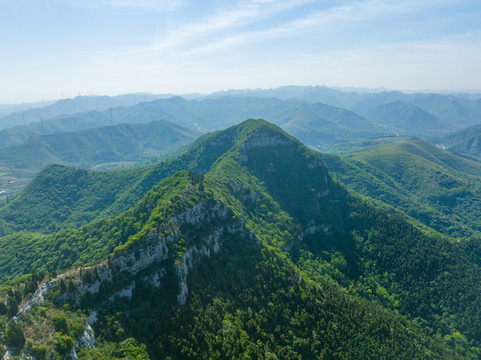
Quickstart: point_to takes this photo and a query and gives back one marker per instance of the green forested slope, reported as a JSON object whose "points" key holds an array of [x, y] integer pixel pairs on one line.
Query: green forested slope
{"points": [[17, 135], [88, 244], [406, 119], [439, 189], [86, 148], [60, 197], [72, 197], [273, 259], [466, 142]]}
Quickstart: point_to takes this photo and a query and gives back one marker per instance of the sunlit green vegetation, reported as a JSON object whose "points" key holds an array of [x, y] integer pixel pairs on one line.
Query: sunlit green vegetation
{"points": [[439, 189], [307, 270]]}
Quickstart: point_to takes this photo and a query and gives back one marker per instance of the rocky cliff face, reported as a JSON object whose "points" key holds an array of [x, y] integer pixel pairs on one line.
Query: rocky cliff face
{"points": [[154, 249], [186, 223], [263, 139], [146, 261]]}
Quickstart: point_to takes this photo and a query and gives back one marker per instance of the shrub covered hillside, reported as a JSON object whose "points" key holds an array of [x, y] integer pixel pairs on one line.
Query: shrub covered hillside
{"points": [[437, 188], [251, 252]]}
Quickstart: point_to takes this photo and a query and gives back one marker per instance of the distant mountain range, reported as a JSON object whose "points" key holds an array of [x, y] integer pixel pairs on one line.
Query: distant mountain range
{"points": [[64, 107], [7, 109], [317, 124], [466, 142], [458, 111], [387, 113], [320, 117], [94, 146], [406, 119]]}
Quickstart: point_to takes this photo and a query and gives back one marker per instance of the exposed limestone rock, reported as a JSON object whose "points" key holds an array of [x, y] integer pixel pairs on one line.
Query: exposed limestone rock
{"points": [[11, 355], [8, 355], [322, 194], [225, 139], [184, 292], [312, 229], [143, 256], [251, 197], [154, 248], [155, 278], [73, 354], [104, 274], [125, 292], [199, 214], [38, 297], [264, 139], [92, 317], [211, 244], [191, 256], [313, 164], [87, 340]]}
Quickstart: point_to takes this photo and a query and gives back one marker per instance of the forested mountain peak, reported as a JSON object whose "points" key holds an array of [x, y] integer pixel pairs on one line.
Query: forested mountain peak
{"points": [[73, 197], [241, 247]]}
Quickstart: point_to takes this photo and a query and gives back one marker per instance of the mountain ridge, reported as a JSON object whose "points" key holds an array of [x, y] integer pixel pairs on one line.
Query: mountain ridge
{"points": [[85, 148], [70, 106], [465, 141], [408, 119], [303, 268], [437, 188]]}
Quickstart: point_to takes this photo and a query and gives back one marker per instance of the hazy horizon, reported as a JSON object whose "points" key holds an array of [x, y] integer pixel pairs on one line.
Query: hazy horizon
{"points": [[454, 91], [55, 50]]}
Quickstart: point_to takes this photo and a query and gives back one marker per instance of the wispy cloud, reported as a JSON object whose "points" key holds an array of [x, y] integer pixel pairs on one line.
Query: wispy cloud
{"points": [[240, 14], [342, 15], [154, 5], [147, 5], [150, 44], [228, 29]]}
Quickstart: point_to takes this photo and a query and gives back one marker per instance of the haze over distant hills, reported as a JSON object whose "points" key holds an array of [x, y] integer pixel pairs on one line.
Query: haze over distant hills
{"points": [[443, 112], [78, 104], [329, 124], [6, 109], [94, 146], [405, 118], [321, 117], [459, 110]]}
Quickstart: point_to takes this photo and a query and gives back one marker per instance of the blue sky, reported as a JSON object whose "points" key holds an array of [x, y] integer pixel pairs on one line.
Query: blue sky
{"points": [[61, 48]]}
